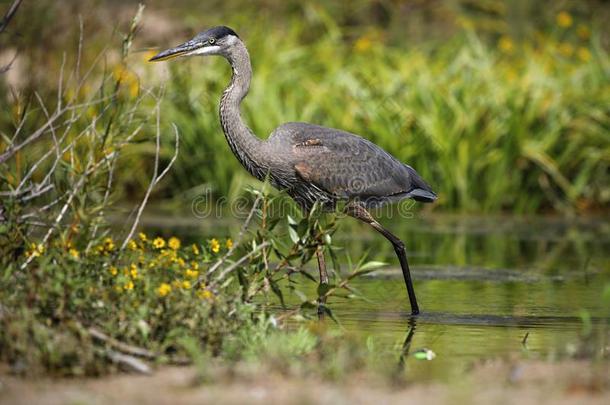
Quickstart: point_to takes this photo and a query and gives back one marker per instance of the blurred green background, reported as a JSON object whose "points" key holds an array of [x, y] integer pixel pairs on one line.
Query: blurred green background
{"points": [[500, 105]]}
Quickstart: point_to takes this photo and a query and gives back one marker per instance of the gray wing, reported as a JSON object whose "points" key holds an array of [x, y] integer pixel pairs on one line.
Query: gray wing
{"points": [[349, 166]]}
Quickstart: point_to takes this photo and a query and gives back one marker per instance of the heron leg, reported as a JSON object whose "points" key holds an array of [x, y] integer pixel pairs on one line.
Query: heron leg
{"points": [[359, 212], [323, 279]]}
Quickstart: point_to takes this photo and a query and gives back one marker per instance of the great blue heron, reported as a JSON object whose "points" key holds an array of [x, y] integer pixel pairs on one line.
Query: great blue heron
{"points": [[312, 163]]}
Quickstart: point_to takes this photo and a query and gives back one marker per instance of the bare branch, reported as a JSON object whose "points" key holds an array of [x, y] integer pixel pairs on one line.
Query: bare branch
{"points": [[242, 231], [232, 267], [130, 363], [104, 204], [7, 67], [156, 176], [71, 196], [121, 346], [9, 15], [12, 149]]}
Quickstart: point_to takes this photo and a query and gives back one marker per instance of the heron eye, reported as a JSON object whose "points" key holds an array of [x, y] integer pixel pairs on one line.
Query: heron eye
{"points": [[211, 41]]}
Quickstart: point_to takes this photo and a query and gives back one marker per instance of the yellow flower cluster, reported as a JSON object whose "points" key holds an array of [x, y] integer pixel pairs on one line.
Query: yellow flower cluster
{"points": [[174, 243], [164, 289], [215, 245], [205, 294], [74, 253], [107, 246], [164, 257], [195, 249], [189, 273], [564, 19], [159, 242], [36, 249], [125, 76], [584, 54], [133, 271], [178, 284], [506, 44]]}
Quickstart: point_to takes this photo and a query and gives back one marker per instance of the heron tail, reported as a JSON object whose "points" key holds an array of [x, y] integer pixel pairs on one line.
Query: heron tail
{"points": [[420, 190]]}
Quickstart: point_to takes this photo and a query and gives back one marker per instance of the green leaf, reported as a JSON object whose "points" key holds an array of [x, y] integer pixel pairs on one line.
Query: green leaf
{"points": [[302, 227], [372, 265], [308, 276], [291, 220], [324, 288], [327, 239], [308, 305], [277, 291], [328, 312], [301, 295], [294, 236]]}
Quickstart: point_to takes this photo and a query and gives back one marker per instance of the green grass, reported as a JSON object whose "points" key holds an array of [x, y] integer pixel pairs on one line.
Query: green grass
{"points": [[494, 121]]}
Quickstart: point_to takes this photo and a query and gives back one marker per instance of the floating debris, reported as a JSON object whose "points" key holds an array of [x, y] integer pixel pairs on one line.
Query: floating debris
{"points": [[424, 354]]}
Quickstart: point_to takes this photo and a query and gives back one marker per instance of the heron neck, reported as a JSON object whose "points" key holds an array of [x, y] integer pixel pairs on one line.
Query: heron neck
{"points": [[242, 141]]}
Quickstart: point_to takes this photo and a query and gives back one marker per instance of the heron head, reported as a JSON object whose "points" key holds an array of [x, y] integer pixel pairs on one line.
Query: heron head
{"points": [[215, 41]]}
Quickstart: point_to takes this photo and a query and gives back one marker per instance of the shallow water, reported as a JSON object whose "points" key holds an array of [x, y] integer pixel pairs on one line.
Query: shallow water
{"points": [[482, 285]]}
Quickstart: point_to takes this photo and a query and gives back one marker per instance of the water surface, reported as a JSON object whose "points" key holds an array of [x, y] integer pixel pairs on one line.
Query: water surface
{"points": [[482, 283]]}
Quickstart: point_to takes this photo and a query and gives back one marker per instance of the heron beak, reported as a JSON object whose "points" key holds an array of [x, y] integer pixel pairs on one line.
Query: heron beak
{"points": [[180, 50]]}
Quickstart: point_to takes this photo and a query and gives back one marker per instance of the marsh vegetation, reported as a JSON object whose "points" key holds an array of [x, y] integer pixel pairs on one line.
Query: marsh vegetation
{"points": [[503, 113]]}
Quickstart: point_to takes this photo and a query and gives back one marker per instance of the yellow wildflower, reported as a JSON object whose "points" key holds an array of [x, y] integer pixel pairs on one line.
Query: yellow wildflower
{"points": [[195, 249], [164, 289], [566, 49], [191, 273], [363, 44], [214, 245], [205, 294], [128, 285], [186, 284], [583, 32], [123, 75], [564, 19], [506, 44], [74, 253], [132, 245], [584, 54], [142, 236], [109, 244], [133, 271], [195, 265], [114, 271], [159, 242], [229, 243], [36, 249], [174, 243], [40, 248]]}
